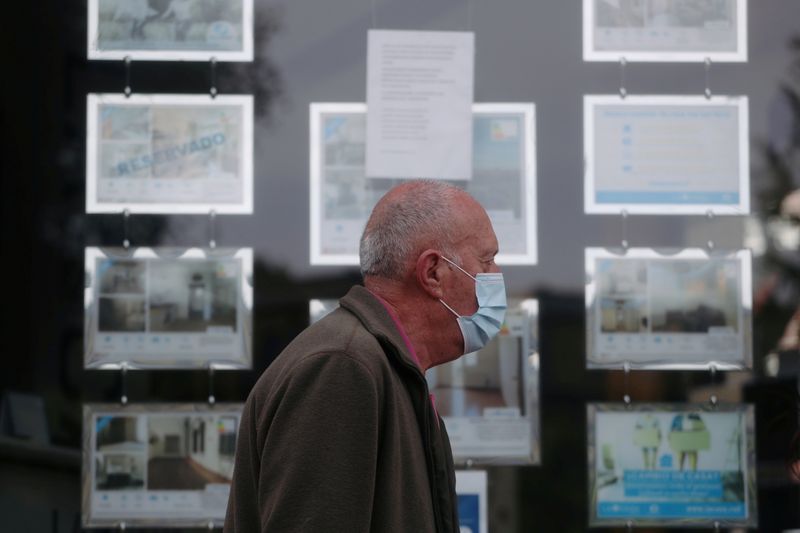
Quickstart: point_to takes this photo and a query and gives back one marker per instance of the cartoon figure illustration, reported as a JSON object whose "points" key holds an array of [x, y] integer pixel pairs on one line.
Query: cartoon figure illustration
{"points": [[607, 474], [647, 436], [688, 435]]}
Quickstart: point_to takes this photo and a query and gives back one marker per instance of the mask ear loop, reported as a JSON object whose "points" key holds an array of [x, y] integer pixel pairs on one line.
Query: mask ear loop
{"points": [[461, 269], [465, 272], [449, 308]]}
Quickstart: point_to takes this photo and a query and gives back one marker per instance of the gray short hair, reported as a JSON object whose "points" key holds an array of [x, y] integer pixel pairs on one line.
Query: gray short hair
{"points": [[422, 217]]}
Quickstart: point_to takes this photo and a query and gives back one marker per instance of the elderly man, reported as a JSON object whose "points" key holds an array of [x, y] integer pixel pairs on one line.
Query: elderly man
{"points": [[339, 433]]}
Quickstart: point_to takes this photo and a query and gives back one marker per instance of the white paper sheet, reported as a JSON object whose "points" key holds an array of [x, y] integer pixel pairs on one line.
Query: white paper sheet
{"points": [[419, 95], [669, 155]]}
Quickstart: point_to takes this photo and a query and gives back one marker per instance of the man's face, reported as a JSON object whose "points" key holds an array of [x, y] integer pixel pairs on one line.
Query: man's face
{"points": [[476, 250]]}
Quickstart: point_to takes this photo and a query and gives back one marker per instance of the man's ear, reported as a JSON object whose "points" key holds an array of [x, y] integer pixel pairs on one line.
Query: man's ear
{"points": [[429, 270]]}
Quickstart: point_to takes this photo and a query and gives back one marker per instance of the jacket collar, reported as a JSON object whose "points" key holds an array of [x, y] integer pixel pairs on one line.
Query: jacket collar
{"points": [[377, 320]]}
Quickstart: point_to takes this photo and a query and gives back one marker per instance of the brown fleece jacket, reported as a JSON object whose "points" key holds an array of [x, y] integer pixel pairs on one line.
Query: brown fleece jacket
{"points": [[339, 435]]}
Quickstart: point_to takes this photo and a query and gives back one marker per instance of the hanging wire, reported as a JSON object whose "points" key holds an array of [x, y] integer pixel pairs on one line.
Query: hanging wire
{"points": [[624, 241], [373, 14], [626, 397], [123, 397], [713, 399], [211, 398], [212, 229], [622, 91], [710, 217], [213, 91], [708, 78], [469, 15], [127, 89], [126, 221]]}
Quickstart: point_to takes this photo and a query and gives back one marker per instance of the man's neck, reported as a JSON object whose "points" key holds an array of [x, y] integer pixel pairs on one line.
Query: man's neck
{"points": [[412, 317]]}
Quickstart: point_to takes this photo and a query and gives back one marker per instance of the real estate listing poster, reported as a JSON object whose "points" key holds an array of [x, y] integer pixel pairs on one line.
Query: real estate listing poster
{"points": [[666, 155], [665, 30], [170, 30], [679, 309], [157, 465], [672, 464], [169, 154], [342, 197], [489, 399], [168, 308]]}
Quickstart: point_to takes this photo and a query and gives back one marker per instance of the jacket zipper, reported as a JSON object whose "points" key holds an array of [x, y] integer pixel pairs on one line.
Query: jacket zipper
{"points": [[426, 433]]}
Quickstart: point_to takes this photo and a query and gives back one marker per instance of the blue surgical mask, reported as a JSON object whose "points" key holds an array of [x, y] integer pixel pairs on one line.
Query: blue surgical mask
{"points": [[481, 327]]}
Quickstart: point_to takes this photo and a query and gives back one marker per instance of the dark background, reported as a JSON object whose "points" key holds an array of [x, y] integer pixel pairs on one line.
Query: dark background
{"points": [[310, 51]]}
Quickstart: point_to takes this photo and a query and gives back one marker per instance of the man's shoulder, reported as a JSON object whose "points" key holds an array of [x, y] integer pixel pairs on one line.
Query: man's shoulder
{"points": [[339, 332], [338, 339]]}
